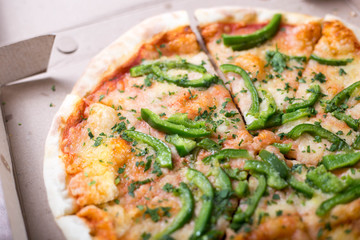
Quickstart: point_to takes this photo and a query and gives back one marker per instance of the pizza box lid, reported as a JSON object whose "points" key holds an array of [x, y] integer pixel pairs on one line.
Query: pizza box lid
{"points": [[29, 104]]}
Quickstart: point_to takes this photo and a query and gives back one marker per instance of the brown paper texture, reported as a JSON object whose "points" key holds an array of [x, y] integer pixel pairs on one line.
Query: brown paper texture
{"points": [[25, 58], [13, 218], [30, 106]]}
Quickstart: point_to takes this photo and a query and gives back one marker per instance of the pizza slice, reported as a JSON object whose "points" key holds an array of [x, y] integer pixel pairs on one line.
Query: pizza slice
{"points": [[269, 69], [333, 67]]}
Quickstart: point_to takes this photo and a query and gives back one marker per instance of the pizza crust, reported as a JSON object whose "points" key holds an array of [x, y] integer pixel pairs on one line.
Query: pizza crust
{"points": [[74, 228], [355, 29], [248, 15], [120, 51], [54, 169]]}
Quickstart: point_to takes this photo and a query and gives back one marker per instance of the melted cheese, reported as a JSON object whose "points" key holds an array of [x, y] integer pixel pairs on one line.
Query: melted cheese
{"points": [[95, 184]]}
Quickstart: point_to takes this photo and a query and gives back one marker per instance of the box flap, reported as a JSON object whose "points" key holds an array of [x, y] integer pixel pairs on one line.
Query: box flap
{"points": [[25, 58]]}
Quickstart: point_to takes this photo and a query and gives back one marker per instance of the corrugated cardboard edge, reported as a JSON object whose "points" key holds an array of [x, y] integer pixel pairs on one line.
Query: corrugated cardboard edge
{"points": [[18, 60], [8, 182]]}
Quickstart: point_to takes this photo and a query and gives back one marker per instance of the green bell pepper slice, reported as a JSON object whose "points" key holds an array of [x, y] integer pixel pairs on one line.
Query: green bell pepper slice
{"points": [[205, 81], [301, 187], [209, 144], [183, 145], [160, 68], [222, 180], [213, 235], [202, 221], [332, 162], [324, 180], [222, 195], [144, 69], [315, 95], [297, 114], [275, 162], [356, 143], [264, 115], [236, 173], [140, 70], [274, 179], [351, 182], [227, 153], [351, 122], [156, 122], [242, 189], [254, 109], [284, 172], [185, 214], [274, 120], [314, 130], [242, 42], [341, 97], [241, 217], [331, 62], [163, 152], [182, 119], [342, 198], [283, 147]]}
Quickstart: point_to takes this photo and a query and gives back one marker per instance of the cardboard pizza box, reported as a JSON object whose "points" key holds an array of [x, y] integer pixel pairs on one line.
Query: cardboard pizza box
{"points": [[29, 104]]}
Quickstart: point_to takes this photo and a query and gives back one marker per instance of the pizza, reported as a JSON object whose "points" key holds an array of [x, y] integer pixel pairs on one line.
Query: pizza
{"points": [[251, 135]]}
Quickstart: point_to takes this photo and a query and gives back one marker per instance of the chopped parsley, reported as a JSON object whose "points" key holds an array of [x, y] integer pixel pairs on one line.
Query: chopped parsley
{"points": [[168, 187], [135, 185], [121, 170], [156, 213], [98, 141], [297, 168], [319, 77], [320, 233], [119, 127], [92, 182], [342, 72], [117, 180], [277, 60], [340, 133], [145, 236], [276, 197], [191, 95], [148, 163], [159, 51], [91, 135], [157, 169], [231, 113], [147, 81]]}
